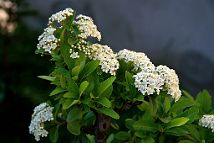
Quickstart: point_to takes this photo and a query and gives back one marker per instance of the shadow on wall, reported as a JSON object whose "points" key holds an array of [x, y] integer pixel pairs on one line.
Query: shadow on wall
{"points": [[177, 33]]}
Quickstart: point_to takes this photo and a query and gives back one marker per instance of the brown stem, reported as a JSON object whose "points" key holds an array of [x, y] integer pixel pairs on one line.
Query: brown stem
{"points": [[102, 126], [129, 105], [103, 122]]}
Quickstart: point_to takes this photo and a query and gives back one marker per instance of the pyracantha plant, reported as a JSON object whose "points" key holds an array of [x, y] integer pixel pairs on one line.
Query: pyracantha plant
{"points": [[106, 97]]}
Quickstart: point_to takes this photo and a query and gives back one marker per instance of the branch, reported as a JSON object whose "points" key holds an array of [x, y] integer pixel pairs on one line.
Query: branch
{"points": [[103, 124]]}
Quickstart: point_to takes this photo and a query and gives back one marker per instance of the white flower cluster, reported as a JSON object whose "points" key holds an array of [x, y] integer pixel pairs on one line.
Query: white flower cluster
{"points": [[148, 82], [42, 113], [103, 53], [87, 27], [47, 40], [151, 79], [74, 55], [171, 81], [61, 15], [207, 121], [140, 60]]}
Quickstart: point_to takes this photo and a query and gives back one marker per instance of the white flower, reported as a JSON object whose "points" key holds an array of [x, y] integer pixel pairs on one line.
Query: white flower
{"points": [[148, 81], [171, 81], [42, 113], [207, 121], [47, 40], [87, 27], [106, 56], [103, 53], [140, 60], [74, 55], [151, 79], [61, 15]]}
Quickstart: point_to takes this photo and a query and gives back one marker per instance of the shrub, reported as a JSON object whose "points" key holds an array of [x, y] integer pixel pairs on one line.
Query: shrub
{"points": [[102, 96]]}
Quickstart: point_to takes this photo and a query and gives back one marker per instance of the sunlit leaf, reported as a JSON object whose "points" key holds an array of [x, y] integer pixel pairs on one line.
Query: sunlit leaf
{"points": [[57, 91], [177, 122], [49, 78], [105, 102], [109, 112]]}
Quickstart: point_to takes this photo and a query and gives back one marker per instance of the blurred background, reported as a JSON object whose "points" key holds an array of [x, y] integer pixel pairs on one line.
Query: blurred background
{"points": [[179, 34]]}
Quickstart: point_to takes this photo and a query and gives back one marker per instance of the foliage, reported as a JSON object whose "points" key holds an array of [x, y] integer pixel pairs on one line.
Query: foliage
{"points": [[92, 105]]}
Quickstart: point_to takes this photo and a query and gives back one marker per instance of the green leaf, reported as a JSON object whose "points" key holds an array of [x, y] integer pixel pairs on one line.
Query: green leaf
{"points": [[91, 138], [89, 118], [148, 140], [204, 100], [180, 105], [56, 57], [57, 91], [129, 123], [165, 119], [49, 78], [177, 122], [110, 138], [62, 35], [144, 106], [91, 79], [54, 134], [122, 135], [73, 87], [108, 92], [140, 134], [115, 126], [146, 125], [139, 98], [68, 103], [75, 71], [86, 100], [81, 61], [74, 114], [89, 68], [69, 95], [63, 81], [68, 25], [72, 41], [130, 81], [83, 86], [105, 102], [75, 102], [60, 71], [192, 113], [167, 104], [177, 131], [75, 78], [148, 116], [194, 132], [186, 141], [152, 107], [57, 108], [105, 85], [65, 51], [109, 112], [74, 127], [187, 94]]}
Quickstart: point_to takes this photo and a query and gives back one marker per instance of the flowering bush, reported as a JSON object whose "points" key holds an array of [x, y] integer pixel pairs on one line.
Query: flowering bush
{"points": [[101, 96]]}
